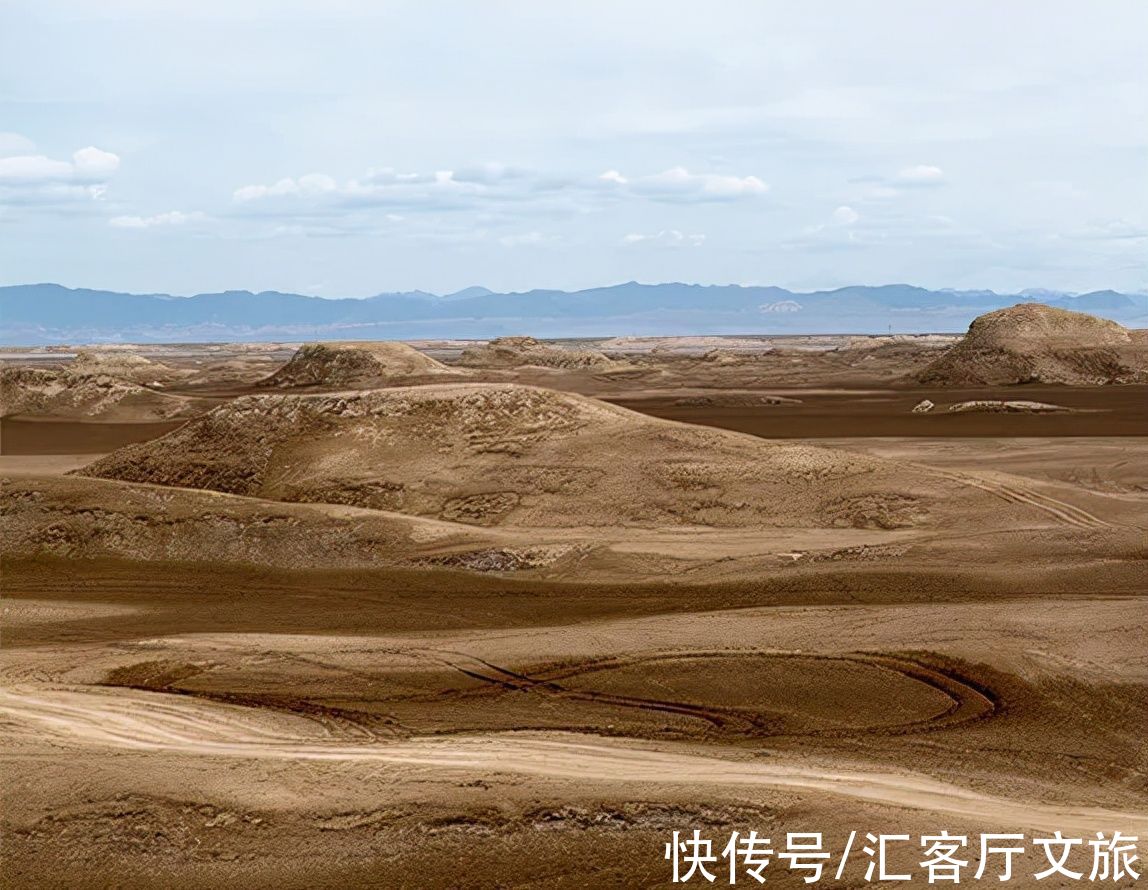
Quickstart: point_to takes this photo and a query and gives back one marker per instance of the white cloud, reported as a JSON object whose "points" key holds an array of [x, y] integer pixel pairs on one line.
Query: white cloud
{"points": [[842, 218], [666, 238], [171, 218], [679, 184], [30, 179], [486, 188], [95, 165], [88, 165], [845, 216], [33, 169], [907, 179], [920, 175], [310, 185], [385, 187]]}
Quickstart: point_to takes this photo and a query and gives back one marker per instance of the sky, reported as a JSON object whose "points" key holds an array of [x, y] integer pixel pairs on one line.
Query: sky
{"points": [[352, 147]]}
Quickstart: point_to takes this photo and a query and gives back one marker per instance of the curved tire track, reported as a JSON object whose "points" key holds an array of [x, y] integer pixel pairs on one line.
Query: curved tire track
{"points": [[967, 703]]}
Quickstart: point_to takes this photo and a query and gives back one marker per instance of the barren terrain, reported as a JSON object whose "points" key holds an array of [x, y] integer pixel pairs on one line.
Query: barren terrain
{"points": [[516, 624]]}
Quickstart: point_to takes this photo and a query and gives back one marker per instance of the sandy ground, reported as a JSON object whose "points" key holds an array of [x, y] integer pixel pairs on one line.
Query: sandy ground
{"points": [[213, 723]]}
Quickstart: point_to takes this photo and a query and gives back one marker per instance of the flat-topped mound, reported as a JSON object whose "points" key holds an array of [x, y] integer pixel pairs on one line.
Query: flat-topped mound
{"points": [[517, 352], [1036, 327], [1033, 343], [507, 454], [353, 363], [62, 393]]}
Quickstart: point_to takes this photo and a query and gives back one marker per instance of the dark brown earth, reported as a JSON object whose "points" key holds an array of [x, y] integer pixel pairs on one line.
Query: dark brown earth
{"points": [[75, 437], [1099, 411]]}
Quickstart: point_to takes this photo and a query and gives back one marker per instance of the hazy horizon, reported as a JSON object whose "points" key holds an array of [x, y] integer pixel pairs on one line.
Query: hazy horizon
{"points": [[41, 313]]}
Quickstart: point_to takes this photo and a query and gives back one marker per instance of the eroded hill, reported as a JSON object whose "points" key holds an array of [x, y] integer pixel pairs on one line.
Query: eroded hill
{"points": [[507, 454], [517, 352], [61, 393], [340, 365], [122, 366], [1033, 343]]}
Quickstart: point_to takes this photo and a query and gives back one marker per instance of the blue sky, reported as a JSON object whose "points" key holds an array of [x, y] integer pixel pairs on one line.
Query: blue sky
{"points": [[347, 147]]}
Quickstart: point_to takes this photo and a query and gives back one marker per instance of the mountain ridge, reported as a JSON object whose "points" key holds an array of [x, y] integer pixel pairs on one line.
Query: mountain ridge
{"points": [[43, 314]]}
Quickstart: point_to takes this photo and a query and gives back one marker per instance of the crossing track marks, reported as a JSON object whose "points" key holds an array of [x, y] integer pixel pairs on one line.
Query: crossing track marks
{"points": [[965, 702], [161, 723]]}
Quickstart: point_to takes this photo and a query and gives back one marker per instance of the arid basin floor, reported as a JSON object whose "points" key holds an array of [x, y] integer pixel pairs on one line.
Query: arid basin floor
{"points": [[211, 725]]}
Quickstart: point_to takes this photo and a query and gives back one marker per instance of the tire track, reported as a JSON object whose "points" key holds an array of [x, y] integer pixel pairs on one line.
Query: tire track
{"points": [[966, 703], [724, 719], [1016, 492], [165, 724]]}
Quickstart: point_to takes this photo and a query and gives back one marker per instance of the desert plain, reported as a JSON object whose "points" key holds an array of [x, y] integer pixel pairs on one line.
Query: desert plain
{"points": [[509, 614]]}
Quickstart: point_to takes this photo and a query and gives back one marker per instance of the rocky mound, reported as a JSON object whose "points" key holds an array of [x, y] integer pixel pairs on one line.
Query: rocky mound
{"points": [[516, 352], [122, 365], [733, 400], [993, 406], [56, 516], [1033, 343], [723, 357], [60, 393], [353, 364], [505, 454]]}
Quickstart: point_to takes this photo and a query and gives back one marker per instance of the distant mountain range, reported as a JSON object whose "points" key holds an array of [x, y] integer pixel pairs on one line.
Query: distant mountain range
{"points": [[37, 314]]}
